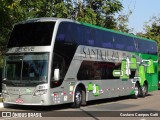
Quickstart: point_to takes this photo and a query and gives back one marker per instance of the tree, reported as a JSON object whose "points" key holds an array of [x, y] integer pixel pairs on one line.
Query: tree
{"points": [[152, 31], [14, 11], [152, 28], [104, 11], [122, 22], [97, 12]]}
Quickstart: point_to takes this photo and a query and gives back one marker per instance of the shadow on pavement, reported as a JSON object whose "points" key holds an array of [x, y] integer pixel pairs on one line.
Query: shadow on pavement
{"points": [[67, 106]]}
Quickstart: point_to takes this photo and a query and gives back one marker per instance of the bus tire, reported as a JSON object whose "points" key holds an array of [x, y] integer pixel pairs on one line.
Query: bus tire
{"points": [[137, 91], [77, 98], [144, 90], [6, 105], [84, 103]]}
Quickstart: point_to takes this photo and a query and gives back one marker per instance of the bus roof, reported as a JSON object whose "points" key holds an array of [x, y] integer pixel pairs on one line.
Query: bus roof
{"points": [[45, 19], [118, 32], [83, 23]]}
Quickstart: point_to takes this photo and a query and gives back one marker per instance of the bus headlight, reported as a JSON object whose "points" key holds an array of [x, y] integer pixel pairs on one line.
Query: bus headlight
{"points": [[4, 91], [40, 92]]}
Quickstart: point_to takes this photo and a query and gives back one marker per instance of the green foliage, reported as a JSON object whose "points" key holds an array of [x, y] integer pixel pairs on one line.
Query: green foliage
{"points": [[152, 31], [97, 12], [122, 22], [104, 11]]}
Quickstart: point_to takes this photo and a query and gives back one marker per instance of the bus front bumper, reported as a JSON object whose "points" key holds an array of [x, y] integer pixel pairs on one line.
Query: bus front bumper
{"points": [[26, 100]]}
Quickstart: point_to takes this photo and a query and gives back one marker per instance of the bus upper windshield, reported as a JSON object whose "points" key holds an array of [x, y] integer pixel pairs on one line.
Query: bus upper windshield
{"points": [[27, 68], [31, 34]]}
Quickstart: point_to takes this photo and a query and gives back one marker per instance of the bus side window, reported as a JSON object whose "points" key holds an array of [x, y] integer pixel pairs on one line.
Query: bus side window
{"points": [[130, 48], [154, 49], [151, 47], [119, 46], [93, 70], [107, 45], [91, 42], [136, 45], [60, 37]]}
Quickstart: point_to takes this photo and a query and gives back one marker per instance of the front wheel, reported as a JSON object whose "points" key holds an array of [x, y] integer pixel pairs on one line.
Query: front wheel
{"points": [[77, 98], [6, 105]]}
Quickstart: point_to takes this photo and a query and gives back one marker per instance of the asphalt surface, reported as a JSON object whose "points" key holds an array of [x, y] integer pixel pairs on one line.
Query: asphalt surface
{"points": [[123, 108]]}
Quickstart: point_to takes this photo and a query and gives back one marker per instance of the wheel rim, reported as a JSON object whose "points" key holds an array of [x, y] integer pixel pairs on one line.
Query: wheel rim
{"points": [[144, 89], [78, 97], [136, 91]]}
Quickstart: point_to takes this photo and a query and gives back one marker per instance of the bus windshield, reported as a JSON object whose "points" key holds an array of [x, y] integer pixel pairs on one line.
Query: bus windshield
{"points": [[26, 68], [31, 34]]}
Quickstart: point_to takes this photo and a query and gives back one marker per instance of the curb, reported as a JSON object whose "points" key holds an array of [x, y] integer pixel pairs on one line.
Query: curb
{"points": [[1, 105]]}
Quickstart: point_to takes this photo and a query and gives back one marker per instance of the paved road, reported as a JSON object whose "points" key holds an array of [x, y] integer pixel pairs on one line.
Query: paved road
{"points": [[147, 108]]}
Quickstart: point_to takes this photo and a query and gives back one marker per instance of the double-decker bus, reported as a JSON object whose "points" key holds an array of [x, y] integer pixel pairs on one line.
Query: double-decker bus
{"points": [[52, 61]]}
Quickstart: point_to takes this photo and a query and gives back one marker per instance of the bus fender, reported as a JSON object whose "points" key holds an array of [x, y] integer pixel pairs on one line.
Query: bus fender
{"points": [[80, 85]]}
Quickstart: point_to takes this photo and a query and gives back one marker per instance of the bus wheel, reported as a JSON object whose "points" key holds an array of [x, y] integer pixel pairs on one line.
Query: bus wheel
{"points": [[77, 98], [84, 103], [144, 90], [6, 105], [136, 91]]}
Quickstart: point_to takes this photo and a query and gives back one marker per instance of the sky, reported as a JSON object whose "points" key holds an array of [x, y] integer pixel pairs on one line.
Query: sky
{"points": [[143, 10]]}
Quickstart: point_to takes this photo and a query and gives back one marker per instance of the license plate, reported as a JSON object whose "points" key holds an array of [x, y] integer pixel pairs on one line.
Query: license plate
{"points": [[19, 100]]}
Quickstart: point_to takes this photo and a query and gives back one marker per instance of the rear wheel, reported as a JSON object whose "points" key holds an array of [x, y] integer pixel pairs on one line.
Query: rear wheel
{"points": [[144, 90], [137, 91]]}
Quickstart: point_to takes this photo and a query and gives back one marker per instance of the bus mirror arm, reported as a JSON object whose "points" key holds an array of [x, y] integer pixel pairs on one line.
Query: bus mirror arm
{"points": [[56, 74], [4, 79]]}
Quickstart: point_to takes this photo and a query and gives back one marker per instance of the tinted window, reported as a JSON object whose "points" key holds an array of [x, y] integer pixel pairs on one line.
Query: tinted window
{"points": [[154, 48], [130, 44], [33, 67], [78, 34], [66, 42], [93, 70], [31, 34], [142, 46], [147, 47], [107, 39], [119, 42], [68, 33]]}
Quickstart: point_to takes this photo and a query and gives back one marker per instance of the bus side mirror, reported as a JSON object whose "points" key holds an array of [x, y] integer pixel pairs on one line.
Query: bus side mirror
{"points": [[56, 74]]}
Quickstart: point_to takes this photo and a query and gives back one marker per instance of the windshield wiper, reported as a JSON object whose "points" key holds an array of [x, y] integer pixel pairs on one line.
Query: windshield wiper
{"points": [[39, 82], [8, 82]]}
